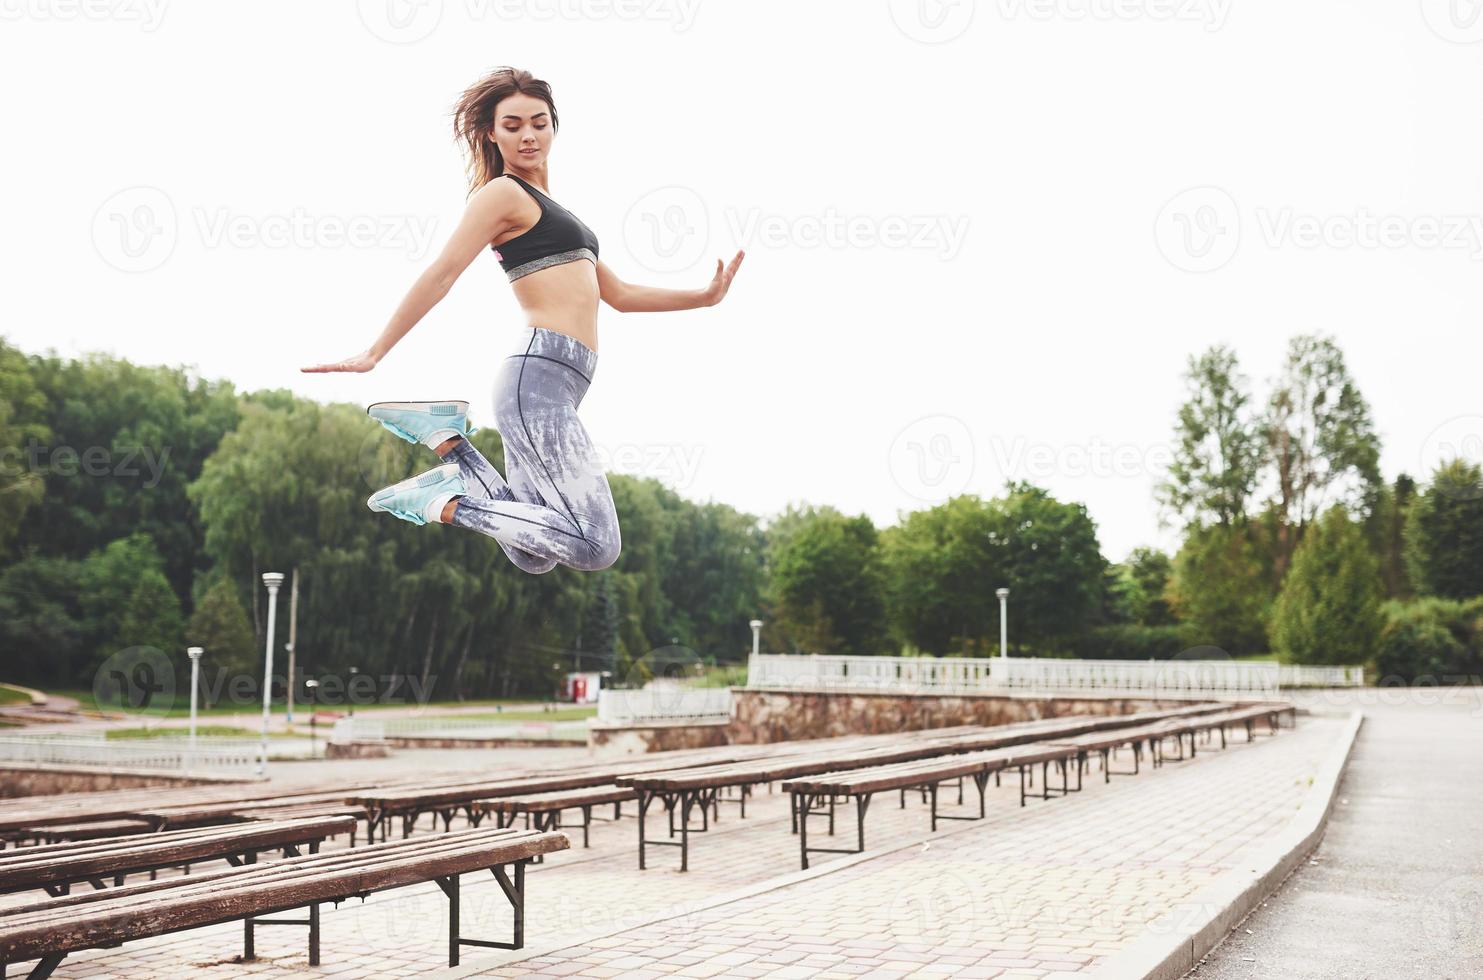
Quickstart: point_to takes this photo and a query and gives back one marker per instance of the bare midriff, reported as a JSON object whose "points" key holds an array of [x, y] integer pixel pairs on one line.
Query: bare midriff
{"points": [[562, 298]]}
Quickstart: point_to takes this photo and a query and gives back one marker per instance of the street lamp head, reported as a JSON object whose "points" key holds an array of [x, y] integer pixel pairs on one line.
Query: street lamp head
{"points": [[272, 579], [311, 683], [194, 652], [756, 624], [1002, 593]]}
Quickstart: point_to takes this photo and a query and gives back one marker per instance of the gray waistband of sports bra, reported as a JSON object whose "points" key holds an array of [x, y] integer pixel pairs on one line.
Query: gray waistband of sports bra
{"points": [[557, 346], [560, 258]]}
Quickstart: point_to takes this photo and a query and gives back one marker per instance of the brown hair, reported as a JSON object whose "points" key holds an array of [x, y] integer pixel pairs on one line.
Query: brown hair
{"points": [[473, 119]]}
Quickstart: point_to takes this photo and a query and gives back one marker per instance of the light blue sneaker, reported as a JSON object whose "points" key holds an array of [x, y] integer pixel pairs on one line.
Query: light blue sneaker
{"points": [[421, 498], [429, 423]]}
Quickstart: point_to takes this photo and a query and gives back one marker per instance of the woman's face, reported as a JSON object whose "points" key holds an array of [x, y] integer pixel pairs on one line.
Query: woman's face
{"points": [[523, 131]]}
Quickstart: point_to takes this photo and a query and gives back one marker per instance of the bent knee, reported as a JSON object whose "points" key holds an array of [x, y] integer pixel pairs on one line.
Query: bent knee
{"points": [[601, 553]]}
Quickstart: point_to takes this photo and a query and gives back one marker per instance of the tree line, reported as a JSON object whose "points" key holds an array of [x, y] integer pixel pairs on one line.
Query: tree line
{"points": [[141, 504]]}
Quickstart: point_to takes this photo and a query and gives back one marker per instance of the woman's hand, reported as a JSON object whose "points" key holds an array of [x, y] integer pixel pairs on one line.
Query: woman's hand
{"points": [[714, 293], [359, 363]]}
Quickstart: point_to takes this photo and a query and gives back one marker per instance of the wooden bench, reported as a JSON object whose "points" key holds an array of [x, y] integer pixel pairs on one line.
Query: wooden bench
{"points": [[817, 795], [543, 810], [57, 867], [48, 931]]}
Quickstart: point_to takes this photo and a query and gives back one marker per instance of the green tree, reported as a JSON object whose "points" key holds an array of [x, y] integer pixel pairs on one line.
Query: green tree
{"points": [[829, 584], [22, 406], [1444, 536], [1329, 607], [1321, 442], [152, 617], [1218, 445], [219, 626], [1387, 532], [1221, 588]]}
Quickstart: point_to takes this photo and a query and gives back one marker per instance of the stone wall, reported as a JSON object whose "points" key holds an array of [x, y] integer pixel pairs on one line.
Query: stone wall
{"points": [[21, 779], [779, 716], [775, 716], [611, 740]]}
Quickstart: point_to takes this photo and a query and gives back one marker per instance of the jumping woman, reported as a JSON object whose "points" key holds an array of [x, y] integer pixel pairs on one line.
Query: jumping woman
{"points": [[553, 506]]}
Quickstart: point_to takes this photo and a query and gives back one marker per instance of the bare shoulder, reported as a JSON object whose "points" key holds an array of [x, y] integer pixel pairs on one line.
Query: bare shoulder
{"points": [[498, 196]]}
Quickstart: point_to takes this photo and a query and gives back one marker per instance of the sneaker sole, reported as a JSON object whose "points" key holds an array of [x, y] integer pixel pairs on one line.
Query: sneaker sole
{"points": [[445, 407], [425, 479]]}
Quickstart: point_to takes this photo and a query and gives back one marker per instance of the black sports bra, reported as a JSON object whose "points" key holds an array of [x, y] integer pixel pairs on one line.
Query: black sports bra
{"points": [[558, 237]]}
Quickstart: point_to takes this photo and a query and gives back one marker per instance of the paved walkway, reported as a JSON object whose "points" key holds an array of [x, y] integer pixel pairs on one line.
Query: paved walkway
{"points": [[1044, 891], [1395, 889]]}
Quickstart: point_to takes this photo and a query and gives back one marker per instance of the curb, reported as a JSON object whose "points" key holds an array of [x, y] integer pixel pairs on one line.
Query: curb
{"points": [[1174, 943]]}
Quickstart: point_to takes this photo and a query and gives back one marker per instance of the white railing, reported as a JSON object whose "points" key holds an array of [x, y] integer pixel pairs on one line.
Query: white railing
{"points": [[665, 703], [1306, 675], [479, 728], [926, 675], [170, 752], [1138, 676], [988, 675], [348, 730]]}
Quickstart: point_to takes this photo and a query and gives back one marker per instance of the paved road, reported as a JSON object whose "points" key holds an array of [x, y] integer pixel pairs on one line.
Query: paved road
{"points": [[1395, 889]]}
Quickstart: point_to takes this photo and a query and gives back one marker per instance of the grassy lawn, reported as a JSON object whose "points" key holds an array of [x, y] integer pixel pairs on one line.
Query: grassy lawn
{"points": [[9, 695], [573, 713], [723, 675], [180, 707], [218, 731]]}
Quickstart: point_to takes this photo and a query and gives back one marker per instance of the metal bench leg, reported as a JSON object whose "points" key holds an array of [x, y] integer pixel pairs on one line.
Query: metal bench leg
{"points": [[313, 933], [43, 967], [248, 950], [586, 823], [645, 798], [801, 818]]}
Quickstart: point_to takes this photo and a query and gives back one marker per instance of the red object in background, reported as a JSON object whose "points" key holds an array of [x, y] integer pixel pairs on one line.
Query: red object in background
{"points": [[579, 689]]}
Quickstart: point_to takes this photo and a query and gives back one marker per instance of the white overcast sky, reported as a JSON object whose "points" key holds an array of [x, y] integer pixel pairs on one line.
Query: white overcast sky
{"points": [[981, 239]]}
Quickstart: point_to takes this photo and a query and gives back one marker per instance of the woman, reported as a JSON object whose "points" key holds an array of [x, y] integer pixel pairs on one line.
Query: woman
{"points": [[556, 506]]}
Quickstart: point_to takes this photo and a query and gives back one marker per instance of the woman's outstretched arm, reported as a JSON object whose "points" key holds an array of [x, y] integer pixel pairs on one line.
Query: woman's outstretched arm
{"points": [[487, 216], [626, 297]]}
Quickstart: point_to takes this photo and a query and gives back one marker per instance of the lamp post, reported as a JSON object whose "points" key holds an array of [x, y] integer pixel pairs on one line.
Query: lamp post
{"points": [[1003, 595], [195, 654], [756, 625], [309, 686], [351, 688], [272, 580]]}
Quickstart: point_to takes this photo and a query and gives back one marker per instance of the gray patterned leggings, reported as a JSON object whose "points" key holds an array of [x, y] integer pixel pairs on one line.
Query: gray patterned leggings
{"points": [[556, 507]]}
